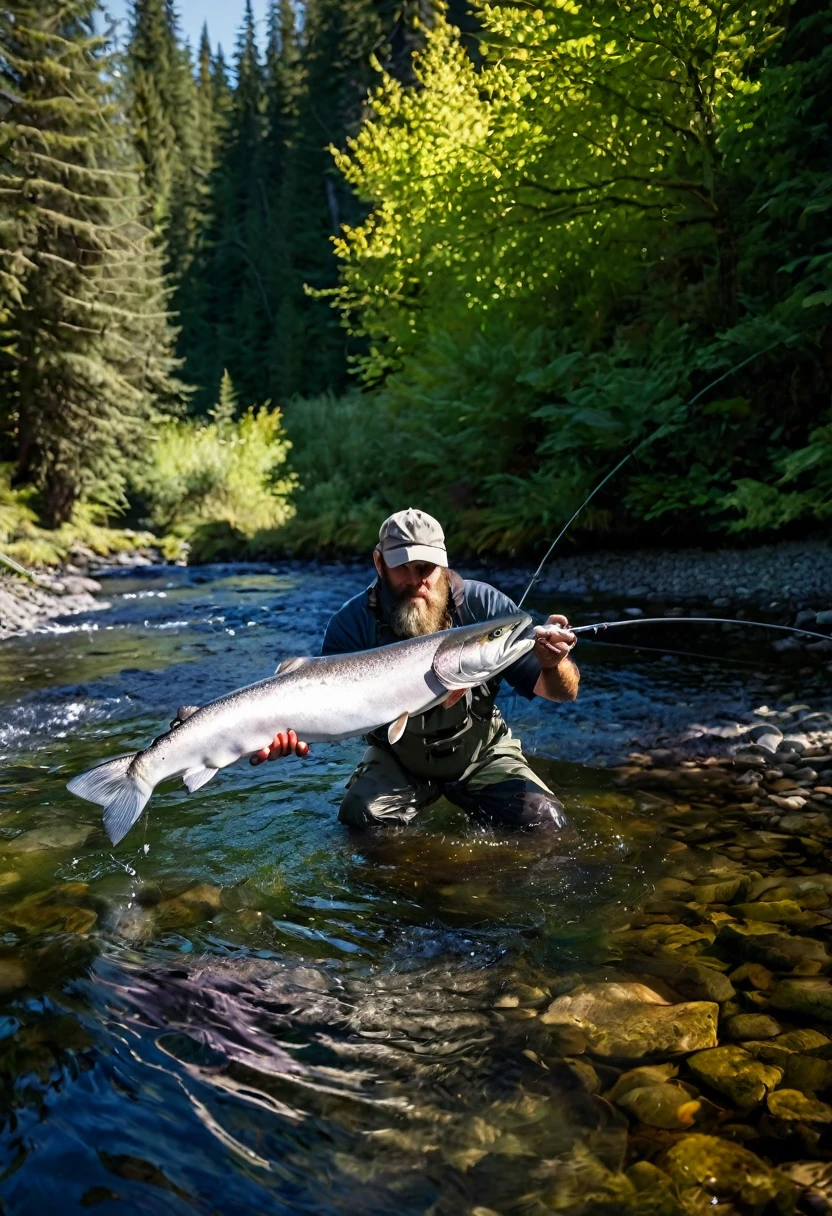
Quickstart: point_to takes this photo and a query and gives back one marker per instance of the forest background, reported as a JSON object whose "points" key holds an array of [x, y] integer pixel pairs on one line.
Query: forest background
{"points": [[464, 256]]}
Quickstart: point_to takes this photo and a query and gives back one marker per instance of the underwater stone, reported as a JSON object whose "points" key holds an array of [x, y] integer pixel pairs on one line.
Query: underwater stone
{"points": [[727, 1171], [812, 997], [734, 1072], [637, 1078], [630, 1021], [12, 974], [755, 974], [806, 1073], [691, 979], [667, 1106], [56, 836], [749, 1026], [791, 1104]]}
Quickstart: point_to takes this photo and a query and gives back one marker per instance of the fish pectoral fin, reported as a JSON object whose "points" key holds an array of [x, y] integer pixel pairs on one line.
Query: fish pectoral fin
{"points": [[197, 777], [396, 729], [291, 664]]}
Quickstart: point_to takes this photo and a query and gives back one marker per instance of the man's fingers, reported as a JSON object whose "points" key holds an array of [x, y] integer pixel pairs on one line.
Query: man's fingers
{"points": [[302, 748], [260, 756]]}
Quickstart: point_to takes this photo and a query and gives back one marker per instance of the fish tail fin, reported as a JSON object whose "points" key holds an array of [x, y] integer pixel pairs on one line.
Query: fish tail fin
{"points": [[122, 794]]}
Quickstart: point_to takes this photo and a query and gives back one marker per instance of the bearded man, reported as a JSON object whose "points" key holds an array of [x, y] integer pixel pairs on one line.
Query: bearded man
{"points": [[462, 748]]}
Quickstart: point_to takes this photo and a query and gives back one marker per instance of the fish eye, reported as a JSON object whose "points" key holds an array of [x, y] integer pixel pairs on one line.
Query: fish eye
{"points": [[495, 633]]}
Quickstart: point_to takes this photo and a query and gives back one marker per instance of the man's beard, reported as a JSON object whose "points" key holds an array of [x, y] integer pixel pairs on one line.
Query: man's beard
{"points": [[411, 616]]}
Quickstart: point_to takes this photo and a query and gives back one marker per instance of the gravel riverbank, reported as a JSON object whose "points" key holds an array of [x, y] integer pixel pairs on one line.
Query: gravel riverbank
{"points": [[25, 606], [792, 575]]}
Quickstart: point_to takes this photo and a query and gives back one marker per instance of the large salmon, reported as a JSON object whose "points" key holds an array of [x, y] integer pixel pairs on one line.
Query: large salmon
{"points": [[323, 699]]}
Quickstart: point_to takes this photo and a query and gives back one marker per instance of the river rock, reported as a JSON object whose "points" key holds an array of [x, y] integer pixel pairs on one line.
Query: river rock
{"points": [[57, 910], [667, 1106], [811, 997], [792, 1105], [638, 1078], [727, 1171], [53, 836], [12, 974], [630, 1021], [815, 1181], [806, 1073], [691, 979], [760, 942], [724, 891], [734, 1072], [748, 1026], [778, 911], [753, 975]]}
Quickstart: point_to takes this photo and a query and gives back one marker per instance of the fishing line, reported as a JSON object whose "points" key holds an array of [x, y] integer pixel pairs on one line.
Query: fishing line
{"points": [[697, 620], [655, 435]]}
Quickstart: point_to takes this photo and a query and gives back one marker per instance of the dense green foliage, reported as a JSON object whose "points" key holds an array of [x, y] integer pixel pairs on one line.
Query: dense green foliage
{"points": [[568, 232], [226, 471], [85, 358], [566, 244]]}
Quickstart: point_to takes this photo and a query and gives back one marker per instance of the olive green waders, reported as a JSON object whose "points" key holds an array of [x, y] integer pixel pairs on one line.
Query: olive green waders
{"points": [[498, 787]]}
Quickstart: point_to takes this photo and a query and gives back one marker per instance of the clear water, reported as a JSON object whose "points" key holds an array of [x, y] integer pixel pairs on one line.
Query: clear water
{"points": [[244, 1008]]}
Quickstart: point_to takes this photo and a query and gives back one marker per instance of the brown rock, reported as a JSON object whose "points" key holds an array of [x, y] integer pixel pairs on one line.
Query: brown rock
{"points": [[734, 1072], [631, 1021], [727, 1171], [792, 1105], [748, 1026]]}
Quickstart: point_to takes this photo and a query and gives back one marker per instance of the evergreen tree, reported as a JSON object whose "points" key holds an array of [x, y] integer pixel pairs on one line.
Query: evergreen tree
{"points": [[310, 347], [85, 340]]}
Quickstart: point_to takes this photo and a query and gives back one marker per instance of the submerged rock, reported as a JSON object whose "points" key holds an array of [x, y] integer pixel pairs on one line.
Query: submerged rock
{"points": [[760, 942], [734, 1072], [749, 1026], [812, 997], [57, 910], [55, 836], [668, 1106], [630, 1021], [792, 1105], [806, 1073], [727, 1171]]}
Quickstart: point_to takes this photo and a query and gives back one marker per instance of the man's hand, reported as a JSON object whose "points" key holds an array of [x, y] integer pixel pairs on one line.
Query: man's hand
{"points": [[553, 641], [285, 743], [559, 677]]}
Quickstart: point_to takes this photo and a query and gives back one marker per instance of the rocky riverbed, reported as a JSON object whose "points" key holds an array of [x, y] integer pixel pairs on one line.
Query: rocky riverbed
{"points": [[25, 605]]}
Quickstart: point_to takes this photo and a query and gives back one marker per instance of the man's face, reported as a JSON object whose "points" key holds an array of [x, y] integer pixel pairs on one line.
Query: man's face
{"points": [[417, 595]]}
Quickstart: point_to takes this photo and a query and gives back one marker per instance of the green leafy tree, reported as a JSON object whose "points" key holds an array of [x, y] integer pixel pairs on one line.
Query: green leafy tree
{"points": [[86, 346]]}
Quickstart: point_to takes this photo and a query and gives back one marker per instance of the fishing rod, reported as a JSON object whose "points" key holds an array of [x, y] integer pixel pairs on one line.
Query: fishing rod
{"points": [[657, 434], [601, 626], [17, 568]]}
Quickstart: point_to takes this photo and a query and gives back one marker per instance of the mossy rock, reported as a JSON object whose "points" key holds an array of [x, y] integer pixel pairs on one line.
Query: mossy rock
{"points": [[629, 1021], [793, 1106], [692, 979], [757, 941], [748, 1026], [734, 1072], [727, 1171], [753, 975], [57, 910], [725, 891], [54, 836], [807, 1073], [667, 1106], [637, 1078], [811, 997]]}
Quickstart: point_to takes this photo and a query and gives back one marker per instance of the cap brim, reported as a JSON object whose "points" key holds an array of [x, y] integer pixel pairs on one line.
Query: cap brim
{"points": [[414, 553]]}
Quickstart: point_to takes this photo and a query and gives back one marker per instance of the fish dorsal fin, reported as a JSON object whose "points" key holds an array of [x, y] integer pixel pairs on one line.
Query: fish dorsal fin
{"points": [[198, 777], [291, 664], [396, 729], [186, 711]]}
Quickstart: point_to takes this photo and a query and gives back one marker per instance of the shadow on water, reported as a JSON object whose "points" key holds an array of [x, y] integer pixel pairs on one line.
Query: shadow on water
{"points": [[248, 1008]]}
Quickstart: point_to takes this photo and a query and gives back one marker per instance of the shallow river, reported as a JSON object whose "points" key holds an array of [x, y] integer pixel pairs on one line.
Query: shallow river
{"points": [[244, 1008]]}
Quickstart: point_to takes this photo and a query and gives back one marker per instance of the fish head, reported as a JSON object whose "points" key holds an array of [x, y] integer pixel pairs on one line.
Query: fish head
{"points": [[472, 654]]}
